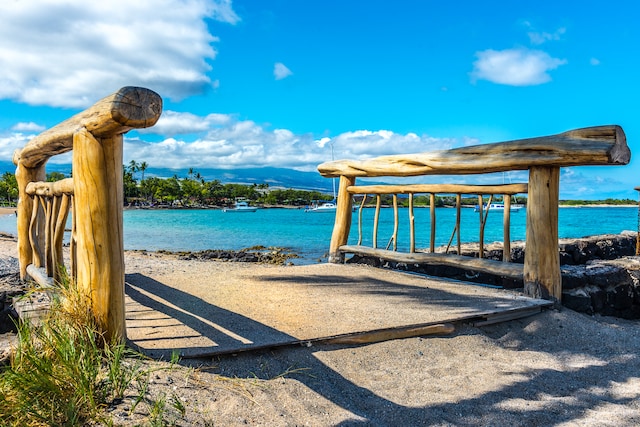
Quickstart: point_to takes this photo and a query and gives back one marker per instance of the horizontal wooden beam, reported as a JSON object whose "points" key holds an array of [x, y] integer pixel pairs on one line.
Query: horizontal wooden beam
{"points": [[50, 189], [387, 334], [439, 189], [128, 108], [601, 145], [498, 268]]}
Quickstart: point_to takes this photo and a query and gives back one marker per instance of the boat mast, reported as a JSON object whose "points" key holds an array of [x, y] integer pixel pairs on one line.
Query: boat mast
{"points": [[333, 181]]}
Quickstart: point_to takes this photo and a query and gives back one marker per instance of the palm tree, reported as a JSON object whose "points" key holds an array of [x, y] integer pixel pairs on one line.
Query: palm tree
{"points": [[133, 167], [143, 167]]}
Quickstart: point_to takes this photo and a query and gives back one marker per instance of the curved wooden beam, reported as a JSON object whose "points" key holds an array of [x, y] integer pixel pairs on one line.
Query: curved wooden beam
{"points": [[601, 145], [129, 108], [50, 189]]}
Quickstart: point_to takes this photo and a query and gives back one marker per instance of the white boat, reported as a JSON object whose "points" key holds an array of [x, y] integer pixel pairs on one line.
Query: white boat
{"points": [[499, 207], [239, 207], [326, 207]]}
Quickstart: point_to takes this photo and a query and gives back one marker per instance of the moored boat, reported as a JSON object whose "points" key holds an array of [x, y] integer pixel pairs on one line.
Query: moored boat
{"points": [[498, 207], [240, 206], [326, 207]]}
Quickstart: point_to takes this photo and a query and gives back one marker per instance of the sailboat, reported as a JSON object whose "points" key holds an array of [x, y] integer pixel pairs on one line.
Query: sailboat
{"points": [[325, 207], [515, 207]]}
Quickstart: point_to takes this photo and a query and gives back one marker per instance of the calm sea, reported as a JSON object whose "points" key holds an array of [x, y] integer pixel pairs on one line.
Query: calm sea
{"points": [[308, 234]]}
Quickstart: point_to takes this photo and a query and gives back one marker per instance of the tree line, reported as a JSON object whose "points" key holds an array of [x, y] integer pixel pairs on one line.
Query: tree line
{"points": [[194, 190]]}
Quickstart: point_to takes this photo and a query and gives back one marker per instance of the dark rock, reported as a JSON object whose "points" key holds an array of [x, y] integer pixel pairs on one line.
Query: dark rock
{"points": [[620, 297], [598, 300], [578, 301]]}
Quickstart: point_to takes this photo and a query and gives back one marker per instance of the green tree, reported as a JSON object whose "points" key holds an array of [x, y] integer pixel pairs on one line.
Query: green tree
{"points": [[55, 176], [9, 187]]}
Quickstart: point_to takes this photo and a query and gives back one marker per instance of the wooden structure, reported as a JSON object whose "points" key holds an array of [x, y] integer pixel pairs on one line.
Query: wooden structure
{"points": [[542, 156], [93, 195]]}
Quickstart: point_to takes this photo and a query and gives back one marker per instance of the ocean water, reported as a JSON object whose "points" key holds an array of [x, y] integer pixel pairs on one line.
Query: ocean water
{"points": [[309, 234]]}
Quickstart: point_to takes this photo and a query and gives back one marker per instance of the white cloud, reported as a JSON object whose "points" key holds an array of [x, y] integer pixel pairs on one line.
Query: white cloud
{"points": [[538, 38], [224, 142], [280, 71], [173, 123], [71, 53], [11, 143], [515, 67], [28, 127]]}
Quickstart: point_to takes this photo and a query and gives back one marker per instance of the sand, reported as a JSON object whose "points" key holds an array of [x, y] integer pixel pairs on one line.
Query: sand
{"points": [[7, 211], [556, 368]]}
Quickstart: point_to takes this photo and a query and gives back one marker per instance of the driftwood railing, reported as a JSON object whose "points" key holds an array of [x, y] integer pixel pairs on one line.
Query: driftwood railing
{"points": [[543, 157], [93, 196]]}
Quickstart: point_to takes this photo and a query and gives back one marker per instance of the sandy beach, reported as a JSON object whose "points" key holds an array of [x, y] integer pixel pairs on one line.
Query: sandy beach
{"points": [[7, 211], [556, 368]]}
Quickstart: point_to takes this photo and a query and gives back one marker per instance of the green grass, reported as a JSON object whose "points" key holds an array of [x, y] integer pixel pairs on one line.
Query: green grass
{"points": [[63, 373]]}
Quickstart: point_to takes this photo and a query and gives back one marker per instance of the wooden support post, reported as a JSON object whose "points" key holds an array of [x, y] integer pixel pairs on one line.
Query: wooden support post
{"points": [[98, 200], [342, 224], [506, 228], [432, 211], [24, 175], [412, 226], [376, 221], [542, 277]]}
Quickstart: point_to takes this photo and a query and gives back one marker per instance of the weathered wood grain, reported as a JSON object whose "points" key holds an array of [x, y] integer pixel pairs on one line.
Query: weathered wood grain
{"points": [[128, 108], [498, 268], [50, 189], [600, 145], [542, 277], [98, 200], [511, 189], [342, 224]]}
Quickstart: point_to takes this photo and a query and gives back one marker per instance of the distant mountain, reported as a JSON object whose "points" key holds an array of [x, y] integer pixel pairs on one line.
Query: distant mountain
{"points": [[275, 177]]}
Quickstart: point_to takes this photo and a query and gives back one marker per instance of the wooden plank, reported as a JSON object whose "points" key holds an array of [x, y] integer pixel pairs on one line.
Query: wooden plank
{"points": [[390, 334], [128, 108], [506, 316], [512, 189], [601, 145], [498, 268]]}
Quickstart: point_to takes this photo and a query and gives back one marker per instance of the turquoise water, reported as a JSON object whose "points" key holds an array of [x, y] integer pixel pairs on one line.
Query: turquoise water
{"points": [[308, 234]]}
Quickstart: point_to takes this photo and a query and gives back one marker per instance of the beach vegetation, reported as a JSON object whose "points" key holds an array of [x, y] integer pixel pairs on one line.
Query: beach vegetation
{"points": [[605, 202], [8, 188], [63, 372]]}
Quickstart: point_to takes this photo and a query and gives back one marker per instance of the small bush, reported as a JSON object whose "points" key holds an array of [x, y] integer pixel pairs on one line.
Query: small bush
{"points": [[62, 371]]}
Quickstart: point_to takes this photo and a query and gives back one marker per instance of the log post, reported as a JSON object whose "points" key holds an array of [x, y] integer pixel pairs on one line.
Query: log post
{"points": [[542, 277], [98, 200], [342, 224], [24, 175]]}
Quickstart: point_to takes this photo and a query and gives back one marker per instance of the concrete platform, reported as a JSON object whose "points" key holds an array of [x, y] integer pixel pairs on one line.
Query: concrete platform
{"points": [[253, 308]]}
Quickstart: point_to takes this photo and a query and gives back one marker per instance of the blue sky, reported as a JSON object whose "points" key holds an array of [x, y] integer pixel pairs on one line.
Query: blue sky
{"points": [[277, 83]]}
